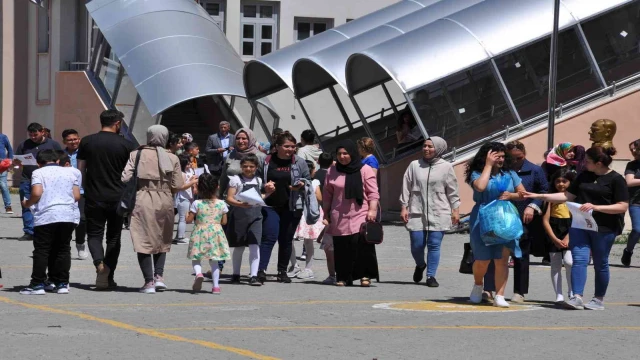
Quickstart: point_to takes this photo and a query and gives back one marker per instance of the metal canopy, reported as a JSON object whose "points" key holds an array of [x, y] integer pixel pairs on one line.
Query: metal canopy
{"points": [[171, 50], [273, 72], [462, 40], [327, 67]]}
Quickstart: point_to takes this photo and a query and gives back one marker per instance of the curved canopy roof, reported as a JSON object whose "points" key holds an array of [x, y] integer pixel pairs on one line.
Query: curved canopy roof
{"points": [[273, 72], [463, 39], [327, 67], [171, 49]]}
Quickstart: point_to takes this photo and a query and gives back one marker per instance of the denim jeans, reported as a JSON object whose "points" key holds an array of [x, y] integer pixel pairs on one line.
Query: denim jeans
{"points": [[278, 225], [634, 212], [4, 187], [599, 244], [27, 216], [430, 240]]}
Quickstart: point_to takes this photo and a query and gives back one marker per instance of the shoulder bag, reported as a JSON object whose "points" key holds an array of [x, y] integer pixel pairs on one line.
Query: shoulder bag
{"points": [[372, 232], [128, 198]]}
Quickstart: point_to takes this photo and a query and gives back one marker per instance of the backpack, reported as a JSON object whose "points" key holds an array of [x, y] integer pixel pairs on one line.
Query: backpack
{"points": [[311, 209]]}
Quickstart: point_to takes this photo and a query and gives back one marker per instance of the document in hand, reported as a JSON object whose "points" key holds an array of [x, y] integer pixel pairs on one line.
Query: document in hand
{"points": [[251, 197], [27, 159], [581, 220]]}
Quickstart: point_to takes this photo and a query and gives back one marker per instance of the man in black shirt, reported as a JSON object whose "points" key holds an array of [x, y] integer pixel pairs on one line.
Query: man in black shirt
{"points": [[632, 176], [102, 158], [37, 141]]}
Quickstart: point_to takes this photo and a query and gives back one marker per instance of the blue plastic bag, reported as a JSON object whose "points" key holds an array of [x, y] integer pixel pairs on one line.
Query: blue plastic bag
{"points": [[499, 220]]}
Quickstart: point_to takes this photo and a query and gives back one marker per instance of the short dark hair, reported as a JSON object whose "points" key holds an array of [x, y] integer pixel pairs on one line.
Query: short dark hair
{"points": [[68, 132], [190, 146], [325, 160], [47, 156], [184, 161], [34, 127], [285, 136], [173, 139], [310, 165], [63, 157], [636, 144], [110, 117], [308, 136], [252, 158], [598, 154]]}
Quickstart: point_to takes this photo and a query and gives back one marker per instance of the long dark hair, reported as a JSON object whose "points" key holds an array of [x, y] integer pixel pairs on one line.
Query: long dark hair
{"points": [[562, 173], [207, 186], [478, 162]]}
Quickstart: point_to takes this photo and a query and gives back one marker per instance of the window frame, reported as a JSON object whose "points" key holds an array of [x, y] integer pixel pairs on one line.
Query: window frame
{"points": [[329, 22], [219, 19], [258, 23]]}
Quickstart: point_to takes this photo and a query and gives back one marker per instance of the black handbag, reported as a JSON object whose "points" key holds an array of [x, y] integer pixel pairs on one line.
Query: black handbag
{"points": [[128, 197], [372, 232], [466, 264]]}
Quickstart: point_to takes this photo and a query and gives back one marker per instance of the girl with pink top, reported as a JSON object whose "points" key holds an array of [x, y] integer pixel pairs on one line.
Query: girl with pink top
{"points": [[350, 197]]}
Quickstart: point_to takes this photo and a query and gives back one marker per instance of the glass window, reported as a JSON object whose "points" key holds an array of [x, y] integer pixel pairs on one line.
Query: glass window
{"points": [[307, 27], [304, 30], [247, 48], [247, 31], [126, 99], [109, 71], [266, 12], [43, 28], [250, 11], [614, 39], [265, 48], [319, 27], [526, 74], [267, 32], [215, 9], [259, 28], [462, 108]]}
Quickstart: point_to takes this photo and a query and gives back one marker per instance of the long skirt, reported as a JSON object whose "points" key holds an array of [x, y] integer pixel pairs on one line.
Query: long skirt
{"points": [[354, 259]]}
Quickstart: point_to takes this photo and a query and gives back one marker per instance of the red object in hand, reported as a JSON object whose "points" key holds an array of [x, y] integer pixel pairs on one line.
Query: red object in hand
{"points": [[5, 165]]}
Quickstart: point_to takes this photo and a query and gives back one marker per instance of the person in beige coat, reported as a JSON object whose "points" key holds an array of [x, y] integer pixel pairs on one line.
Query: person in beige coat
{"points": [[151, 225], [430, 205]]}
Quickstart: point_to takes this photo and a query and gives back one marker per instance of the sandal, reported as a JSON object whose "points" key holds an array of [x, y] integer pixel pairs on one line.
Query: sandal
{"points": [[365, 282], [340, 283]]}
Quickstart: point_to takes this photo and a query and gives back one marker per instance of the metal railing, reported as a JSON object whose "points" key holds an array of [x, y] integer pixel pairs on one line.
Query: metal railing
{"points": [[510, 130]]}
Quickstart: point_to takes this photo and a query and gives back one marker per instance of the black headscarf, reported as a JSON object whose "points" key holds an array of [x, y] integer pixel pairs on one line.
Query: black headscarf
{"points": [[353, 182]]}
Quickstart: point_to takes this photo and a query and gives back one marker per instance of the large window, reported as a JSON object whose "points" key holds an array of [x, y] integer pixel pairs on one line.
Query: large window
{"points": [[526, 74], [259, 29], [614, 39], [463, 107], [216, 9], [307, 27]]}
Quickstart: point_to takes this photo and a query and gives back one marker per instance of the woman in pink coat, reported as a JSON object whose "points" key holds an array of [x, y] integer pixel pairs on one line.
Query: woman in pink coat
{"points": [[350, 198]]}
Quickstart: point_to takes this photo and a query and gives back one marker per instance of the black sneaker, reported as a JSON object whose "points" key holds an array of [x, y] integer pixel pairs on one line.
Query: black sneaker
{"points": [[432, 282], [283, 277], [26, 237], [417, 274], [235, 279], [254, 281], [626, 258], [262, 276]]}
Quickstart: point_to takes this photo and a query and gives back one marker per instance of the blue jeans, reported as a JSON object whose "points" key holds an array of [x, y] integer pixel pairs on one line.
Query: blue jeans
{"points": [[634, 212], [4, 187], [27, 216], [581, 242], [278, 225], [431, 240]]}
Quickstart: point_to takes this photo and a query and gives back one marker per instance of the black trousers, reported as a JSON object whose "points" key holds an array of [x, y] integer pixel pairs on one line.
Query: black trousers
{"points": [[52, 249], [354, 259], [151, 267], [520, 266], [81, 229], [100, 215]]}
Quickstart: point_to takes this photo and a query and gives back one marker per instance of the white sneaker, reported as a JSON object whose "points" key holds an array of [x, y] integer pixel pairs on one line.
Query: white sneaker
{"points": [[159, 283], [499, 301], [82, 251], [148, 288], [476, 294], [62, 289], [560, 299], [330, 280], [594, 304], [49, 286], [293, 271], [305, 274]]}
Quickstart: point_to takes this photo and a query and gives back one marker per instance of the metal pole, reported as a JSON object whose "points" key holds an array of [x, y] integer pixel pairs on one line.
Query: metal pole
{"points": [[367, 129], [413, 109], [505, 92], [306, 115], [265, 128], [340, 107], [553, 75], [390, 99]]}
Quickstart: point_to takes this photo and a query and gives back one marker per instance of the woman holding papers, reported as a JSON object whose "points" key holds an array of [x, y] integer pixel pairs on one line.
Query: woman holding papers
{"points": [[602, 193]]}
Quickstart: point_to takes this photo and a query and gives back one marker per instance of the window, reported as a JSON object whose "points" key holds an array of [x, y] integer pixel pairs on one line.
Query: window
{"points": [[43, 28], [258, 28], [526, 74], [614, 40], [307, 27], [349, 20], [463, 107], [215, 9]]}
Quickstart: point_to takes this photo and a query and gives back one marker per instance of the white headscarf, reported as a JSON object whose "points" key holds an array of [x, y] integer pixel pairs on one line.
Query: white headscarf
{"points": [[157, 136]]}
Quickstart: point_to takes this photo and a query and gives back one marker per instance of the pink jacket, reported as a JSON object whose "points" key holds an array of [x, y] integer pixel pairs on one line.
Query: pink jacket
{"points": [[345, 214]]}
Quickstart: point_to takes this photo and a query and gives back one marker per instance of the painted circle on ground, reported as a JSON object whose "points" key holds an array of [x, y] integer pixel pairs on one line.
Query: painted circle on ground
{"points": [[450, 306]]}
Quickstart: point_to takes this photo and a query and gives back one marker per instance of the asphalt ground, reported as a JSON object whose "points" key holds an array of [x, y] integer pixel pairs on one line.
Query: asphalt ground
{"points": [[394, 319]]}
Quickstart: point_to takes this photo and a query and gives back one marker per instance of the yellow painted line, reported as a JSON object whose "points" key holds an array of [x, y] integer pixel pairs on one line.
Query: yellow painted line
{"points": [[408, 327], [145, 331]]}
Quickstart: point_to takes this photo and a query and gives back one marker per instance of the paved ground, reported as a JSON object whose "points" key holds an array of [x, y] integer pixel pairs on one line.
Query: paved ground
{"points": [[395, 319]]}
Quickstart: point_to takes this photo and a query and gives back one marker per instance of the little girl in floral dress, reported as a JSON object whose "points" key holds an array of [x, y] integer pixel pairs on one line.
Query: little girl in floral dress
{"points": [[208, 241]]}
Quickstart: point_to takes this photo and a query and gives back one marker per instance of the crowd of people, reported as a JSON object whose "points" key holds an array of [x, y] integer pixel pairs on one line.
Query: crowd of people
{"points": [[313, 196]]}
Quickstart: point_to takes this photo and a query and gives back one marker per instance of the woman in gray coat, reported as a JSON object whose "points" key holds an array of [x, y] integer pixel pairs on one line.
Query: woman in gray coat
{"points": [[430, 205]]}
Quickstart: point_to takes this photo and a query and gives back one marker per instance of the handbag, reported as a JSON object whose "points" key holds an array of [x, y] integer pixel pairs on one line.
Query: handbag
{"points": [[128, 197], [466, 264], [372, 232]]}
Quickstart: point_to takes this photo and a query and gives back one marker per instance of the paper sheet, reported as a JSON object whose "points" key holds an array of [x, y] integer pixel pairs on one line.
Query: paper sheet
{"points": [[199, 171], [251, 197], [27, 159], [581, 220]]}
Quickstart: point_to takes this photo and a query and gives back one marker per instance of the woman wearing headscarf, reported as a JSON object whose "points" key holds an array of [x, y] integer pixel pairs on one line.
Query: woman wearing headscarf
{"points": [[159, 177], [564, 155], [350, 197], [246, 144], [430, 205]]}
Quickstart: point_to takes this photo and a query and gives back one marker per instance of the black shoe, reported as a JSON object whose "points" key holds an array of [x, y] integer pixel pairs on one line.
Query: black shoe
{"points": [[254, 281], [112, 284], [417, 274], [283, 277], [546, 262], [262, 276], [626, 258], [432, 282], [235, 279], [26, 237]]}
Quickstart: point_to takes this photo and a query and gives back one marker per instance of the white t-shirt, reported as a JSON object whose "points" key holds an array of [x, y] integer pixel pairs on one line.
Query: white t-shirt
{"points": [[237, 182], [194, 206], [185, 194], [57, 204], [315, 183]]}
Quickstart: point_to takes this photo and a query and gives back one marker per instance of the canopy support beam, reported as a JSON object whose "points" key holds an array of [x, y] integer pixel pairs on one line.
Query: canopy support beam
{"points": [[505, 92], [341, 107], [306, 116], [365, 124], [388, 95]]}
